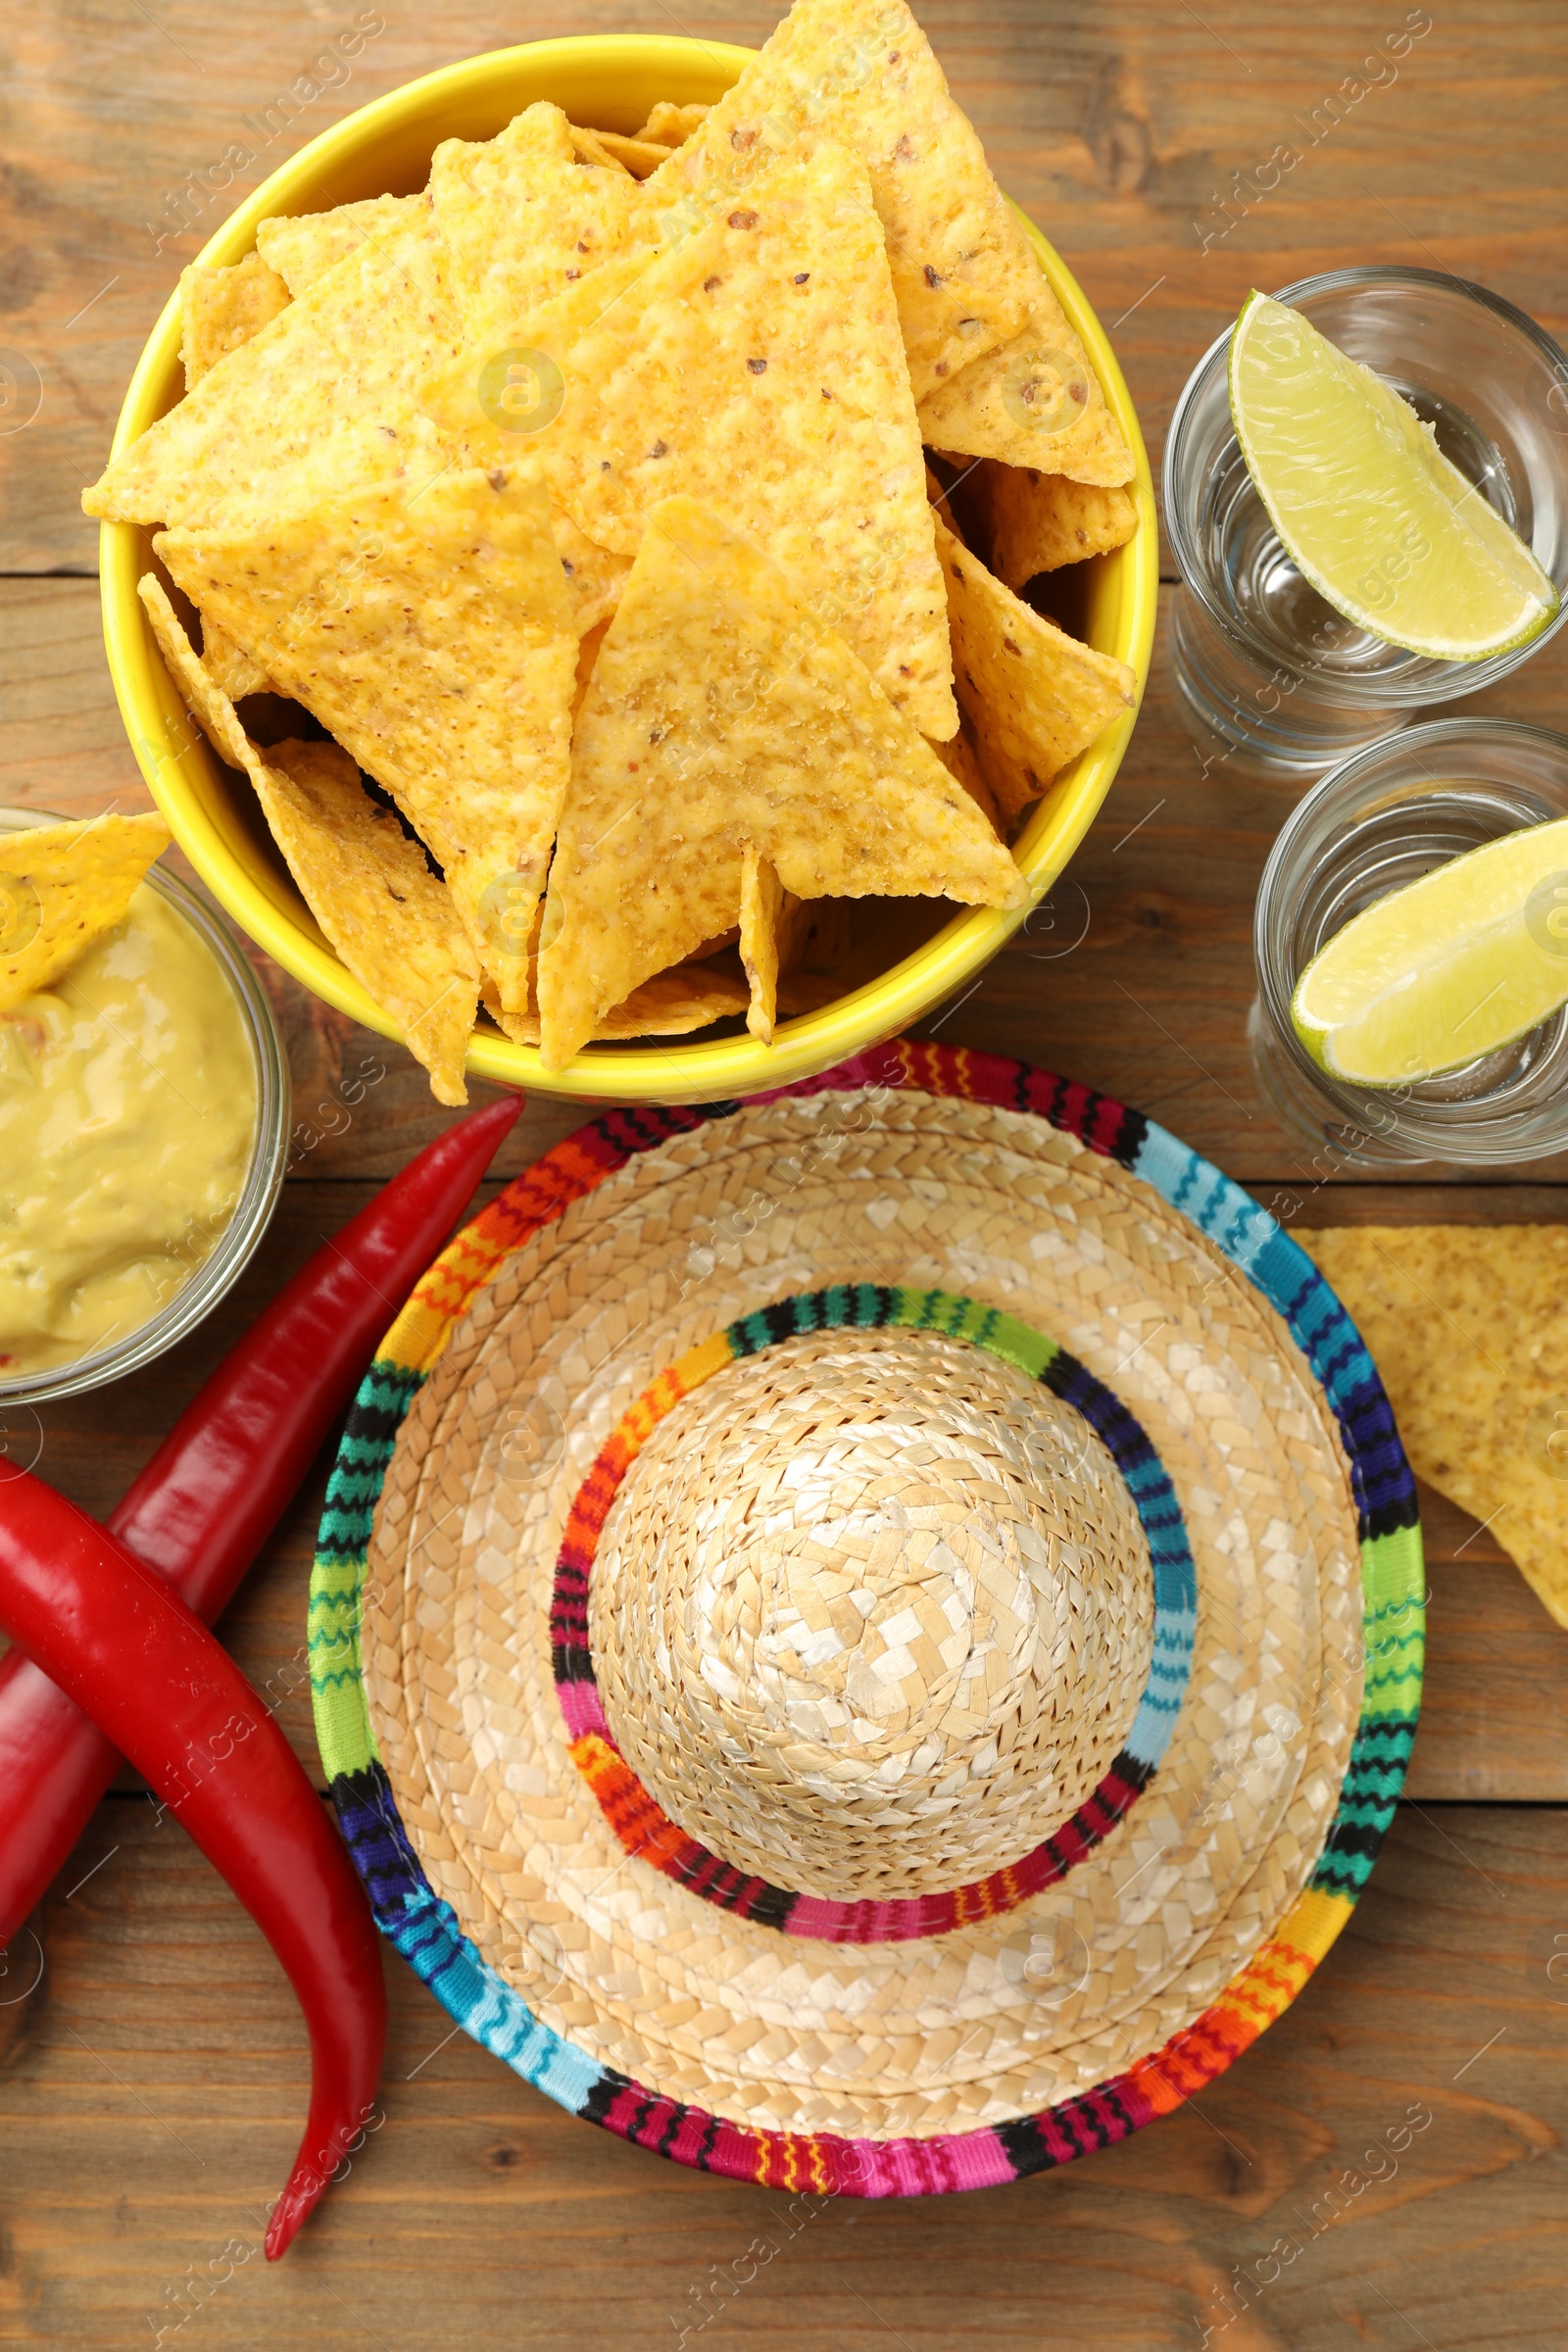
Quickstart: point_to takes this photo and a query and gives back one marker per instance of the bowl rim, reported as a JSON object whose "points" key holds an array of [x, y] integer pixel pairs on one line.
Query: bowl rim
{"points": [[661, 1070], [241, 1236]]}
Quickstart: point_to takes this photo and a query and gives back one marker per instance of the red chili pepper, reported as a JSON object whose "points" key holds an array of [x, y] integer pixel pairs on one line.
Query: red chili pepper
{"points": [[126, 1647], [212, 1494]]}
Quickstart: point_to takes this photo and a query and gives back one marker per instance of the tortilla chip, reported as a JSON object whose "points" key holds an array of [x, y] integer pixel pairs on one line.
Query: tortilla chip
{"points": [[303, 247], [721, 714], [862, 72], [1034, 696], [322, 396], [587, 655], [594, 577], [61, 888], [640, 157], [370, 888], [762, 908], [222, 309], [672, 126], [961, 761], [670, 1004], [1465, 1325], [757, 367], [1039, 522], [1033, 401], [491, 403], [229, 665], [524, 219], [588, 148], [941, 501], [814, 936], [433, 639], [205, 697]]}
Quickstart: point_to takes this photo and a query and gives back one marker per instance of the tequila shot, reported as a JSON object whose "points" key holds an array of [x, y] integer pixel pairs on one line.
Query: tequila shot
{"points": [[1267, 670]]}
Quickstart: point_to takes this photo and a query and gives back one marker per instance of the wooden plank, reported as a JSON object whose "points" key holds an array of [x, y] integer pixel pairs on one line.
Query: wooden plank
{"points": [[1123, 133], [480, 2215], [1394, 2140]]}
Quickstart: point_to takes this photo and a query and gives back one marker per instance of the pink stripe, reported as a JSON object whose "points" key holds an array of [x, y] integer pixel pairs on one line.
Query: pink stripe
{"points": [[978, 2160], [581, 1705], [877, 1067], [818, 1915]]}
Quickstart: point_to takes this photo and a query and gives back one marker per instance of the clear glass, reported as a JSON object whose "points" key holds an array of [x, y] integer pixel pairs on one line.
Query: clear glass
{"points": [[221, 1269], [1385, 818], [1267, 670]]}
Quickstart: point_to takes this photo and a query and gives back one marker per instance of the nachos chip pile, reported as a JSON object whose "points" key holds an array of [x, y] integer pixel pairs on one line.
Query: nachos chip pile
{"points": [[575, 514]]}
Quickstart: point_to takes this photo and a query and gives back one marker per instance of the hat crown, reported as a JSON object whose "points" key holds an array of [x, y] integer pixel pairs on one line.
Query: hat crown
{"points": [[872, 1613]]}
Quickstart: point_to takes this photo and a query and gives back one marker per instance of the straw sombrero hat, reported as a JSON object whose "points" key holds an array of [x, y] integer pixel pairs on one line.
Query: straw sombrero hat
{"points": [[868, 1640]]}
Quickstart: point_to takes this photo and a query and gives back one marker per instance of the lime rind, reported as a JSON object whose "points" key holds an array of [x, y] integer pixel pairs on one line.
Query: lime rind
{"points": [[1459, 963], [1479, 541]]}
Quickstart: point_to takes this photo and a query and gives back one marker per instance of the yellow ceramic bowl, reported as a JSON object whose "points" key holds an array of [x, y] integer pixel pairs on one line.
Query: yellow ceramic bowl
{"points": [[611, 80]]}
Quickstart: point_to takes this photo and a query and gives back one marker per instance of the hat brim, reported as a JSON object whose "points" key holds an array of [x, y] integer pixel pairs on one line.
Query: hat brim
{"points": [[1305, 1847]]}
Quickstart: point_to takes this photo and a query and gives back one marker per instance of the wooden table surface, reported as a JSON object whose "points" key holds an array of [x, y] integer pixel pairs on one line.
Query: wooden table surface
{"points": [[152, 2063]]}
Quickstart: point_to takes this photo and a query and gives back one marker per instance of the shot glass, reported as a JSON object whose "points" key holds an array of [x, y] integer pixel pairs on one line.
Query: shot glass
{"points": [[1386, 817], [1267, 670]]}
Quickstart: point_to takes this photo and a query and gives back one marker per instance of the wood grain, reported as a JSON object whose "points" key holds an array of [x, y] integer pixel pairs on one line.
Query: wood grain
{"points": [[155, 2084], [1118, 127], [152, 2086]]}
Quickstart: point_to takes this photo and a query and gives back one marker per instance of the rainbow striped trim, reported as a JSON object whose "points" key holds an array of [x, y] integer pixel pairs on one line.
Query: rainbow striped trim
{"points": [[641, 1824], [426, 1930]]}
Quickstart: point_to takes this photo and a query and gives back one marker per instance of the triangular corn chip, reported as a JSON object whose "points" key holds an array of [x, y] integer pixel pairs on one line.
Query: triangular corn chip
{"points": [[229, 665], [1039, 522], [669, 1005], [761, 912], [302, 247], [1465, 1324], [672, 126], [594, 577], [61, 887], [391, 920], [721, 714], [222, 309], [433, 639], [1034, 696], [641, 158], [862, 72], [962, 762], [524, 219], [757, 367], [321, 397], [1033, 401], [205, 697]]}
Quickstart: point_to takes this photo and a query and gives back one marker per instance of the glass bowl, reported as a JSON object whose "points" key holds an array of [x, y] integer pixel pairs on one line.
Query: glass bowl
{"points": [[216, 1274], [1379, 821], [1262, 661]]}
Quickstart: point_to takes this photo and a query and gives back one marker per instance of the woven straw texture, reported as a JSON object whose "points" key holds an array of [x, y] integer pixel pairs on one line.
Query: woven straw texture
{"points": [[1001, 2017], [874, 1615]]}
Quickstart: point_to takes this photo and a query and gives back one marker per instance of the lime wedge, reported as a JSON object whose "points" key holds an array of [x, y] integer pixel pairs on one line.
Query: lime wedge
{"points": [[1366, 505], [1446, 969]]}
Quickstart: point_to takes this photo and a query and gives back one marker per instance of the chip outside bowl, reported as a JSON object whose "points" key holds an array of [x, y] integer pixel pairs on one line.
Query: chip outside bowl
{"points": [[611, 80]]}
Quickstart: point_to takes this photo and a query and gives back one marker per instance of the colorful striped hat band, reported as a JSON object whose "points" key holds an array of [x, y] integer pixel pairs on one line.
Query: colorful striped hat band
{"points": [[640, 1823], [808, 1719]]}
